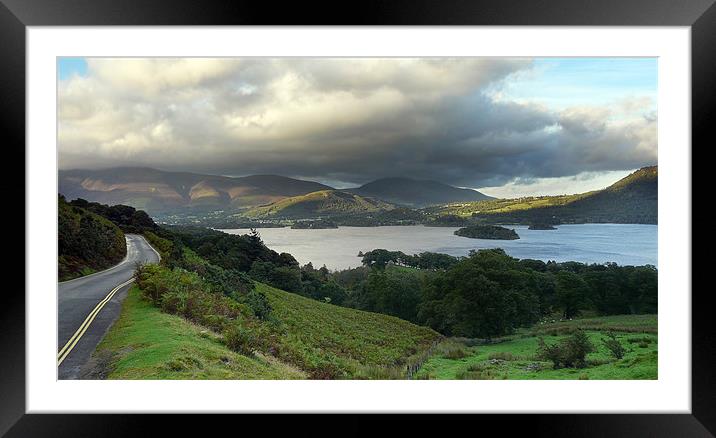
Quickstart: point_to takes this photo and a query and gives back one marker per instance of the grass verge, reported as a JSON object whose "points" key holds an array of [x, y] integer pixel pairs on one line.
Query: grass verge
{"points": [[146, 343]]}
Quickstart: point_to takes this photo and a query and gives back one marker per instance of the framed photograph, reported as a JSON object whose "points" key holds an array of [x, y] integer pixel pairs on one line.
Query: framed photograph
{"points": [[420, 208]]}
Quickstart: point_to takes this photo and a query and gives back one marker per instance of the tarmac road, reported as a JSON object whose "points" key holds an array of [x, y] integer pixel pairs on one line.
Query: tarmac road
{"points": [[88, 306]]}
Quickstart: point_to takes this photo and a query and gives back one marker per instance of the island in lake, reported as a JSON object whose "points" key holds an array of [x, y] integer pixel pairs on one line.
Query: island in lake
{"points": [[541, 227], [493, 232]]}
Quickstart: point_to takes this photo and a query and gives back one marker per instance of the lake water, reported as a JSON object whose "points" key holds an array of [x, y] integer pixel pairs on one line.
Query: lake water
{"points": [[337, 248]]}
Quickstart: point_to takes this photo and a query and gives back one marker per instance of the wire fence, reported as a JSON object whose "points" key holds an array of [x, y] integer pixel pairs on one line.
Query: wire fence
{"points": [[413, 368]]}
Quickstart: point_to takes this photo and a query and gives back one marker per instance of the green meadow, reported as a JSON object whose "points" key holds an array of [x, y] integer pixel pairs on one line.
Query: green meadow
{"points": [[515, 357]]}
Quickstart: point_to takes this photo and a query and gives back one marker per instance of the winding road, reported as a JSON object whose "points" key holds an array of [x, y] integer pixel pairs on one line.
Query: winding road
{"points": [[87, 307]]}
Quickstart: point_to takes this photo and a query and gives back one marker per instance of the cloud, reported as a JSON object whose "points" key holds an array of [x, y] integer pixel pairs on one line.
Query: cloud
{"points": [[566, 185], [346, 120]]}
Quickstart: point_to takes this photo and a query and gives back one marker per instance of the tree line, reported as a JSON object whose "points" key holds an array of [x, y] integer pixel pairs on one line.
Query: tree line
{"points": [[486, 294]]}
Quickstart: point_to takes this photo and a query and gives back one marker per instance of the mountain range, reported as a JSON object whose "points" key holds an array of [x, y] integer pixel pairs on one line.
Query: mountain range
{"points": [[158, 192], [633, 199], [417, 193]]}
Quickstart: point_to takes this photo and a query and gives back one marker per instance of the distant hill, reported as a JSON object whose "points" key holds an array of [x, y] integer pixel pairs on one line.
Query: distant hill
{"points": [[157, 191], [321, 203], [633, 199], [416, 193]]}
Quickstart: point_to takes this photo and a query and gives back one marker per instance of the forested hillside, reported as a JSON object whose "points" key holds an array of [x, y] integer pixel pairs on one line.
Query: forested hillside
{"points": [[129, 219], [87, 242]]}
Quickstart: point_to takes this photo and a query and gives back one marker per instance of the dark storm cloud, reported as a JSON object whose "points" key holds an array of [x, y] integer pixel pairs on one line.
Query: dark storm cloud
{"points": [[341, 120]]}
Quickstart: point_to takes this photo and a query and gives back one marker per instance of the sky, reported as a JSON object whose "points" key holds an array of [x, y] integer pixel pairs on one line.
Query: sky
{"points": [[508, 127]]}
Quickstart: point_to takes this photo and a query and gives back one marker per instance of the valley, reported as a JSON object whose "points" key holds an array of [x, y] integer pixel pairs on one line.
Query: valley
{"points": [[238, 303]]}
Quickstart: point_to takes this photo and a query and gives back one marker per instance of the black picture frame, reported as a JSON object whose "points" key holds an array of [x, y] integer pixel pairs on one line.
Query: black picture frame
{"points": [[16, 15]]}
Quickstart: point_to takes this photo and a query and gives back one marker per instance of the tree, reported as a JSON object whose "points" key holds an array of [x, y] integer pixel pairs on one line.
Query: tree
{"points": [[281, 277], [643, 289], [613, 345], [379, 258], [570, 292], [605, 290], [485, 295], [570, 352], [394, 292]]}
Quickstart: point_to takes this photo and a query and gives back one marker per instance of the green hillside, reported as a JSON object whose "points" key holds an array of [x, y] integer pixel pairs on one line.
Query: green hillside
{"points": [[86, 242], [320, 203], [516, 357], [146, 343], [362, 343], [633, 199], [291, 337]]}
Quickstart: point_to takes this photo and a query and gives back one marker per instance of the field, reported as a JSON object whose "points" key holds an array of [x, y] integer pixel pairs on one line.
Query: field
{"points": [[515, 357], [495, 206], [148, 344]]}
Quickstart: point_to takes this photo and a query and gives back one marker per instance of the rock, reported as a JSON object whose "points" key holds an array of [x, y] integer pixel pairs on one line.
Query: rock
{"points": [[533, 367]]}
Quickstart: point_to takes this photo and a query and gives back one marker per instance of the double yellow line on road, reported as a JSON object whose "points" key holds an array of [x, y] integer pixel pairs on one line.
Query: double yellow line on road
{"points": [[62, 354]]}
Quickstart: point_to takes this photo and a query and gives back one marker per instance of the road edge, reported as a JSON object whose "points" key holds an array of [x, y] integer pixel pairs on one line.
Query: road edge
{"points": [[151, 246], [124, 260]]}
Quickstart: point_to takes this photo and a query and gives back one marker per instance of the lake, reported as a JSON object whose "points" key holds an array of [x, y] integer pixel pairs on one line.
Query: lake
{"points": [[337, 248]]}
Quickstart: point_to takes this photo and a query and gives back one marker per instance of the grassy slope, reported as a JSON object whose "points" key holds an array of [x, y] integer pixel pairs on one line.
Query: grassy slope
{"points": [[357, 338], [640, 362], [148, 344], [324, 202], [631, 199]]}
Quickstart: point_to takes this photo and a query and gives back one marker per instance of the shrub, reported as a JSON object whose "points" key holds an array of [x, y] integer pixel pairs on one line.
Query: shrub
{"points": [[576, 348], [455, 353], [257, 301], [183, 293], [164, 246], [240, 339], [477, 372], [378, 372], [227, 281], [327, 371], [613, 345], [502, 355], [570, 352], [596, 361]]}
